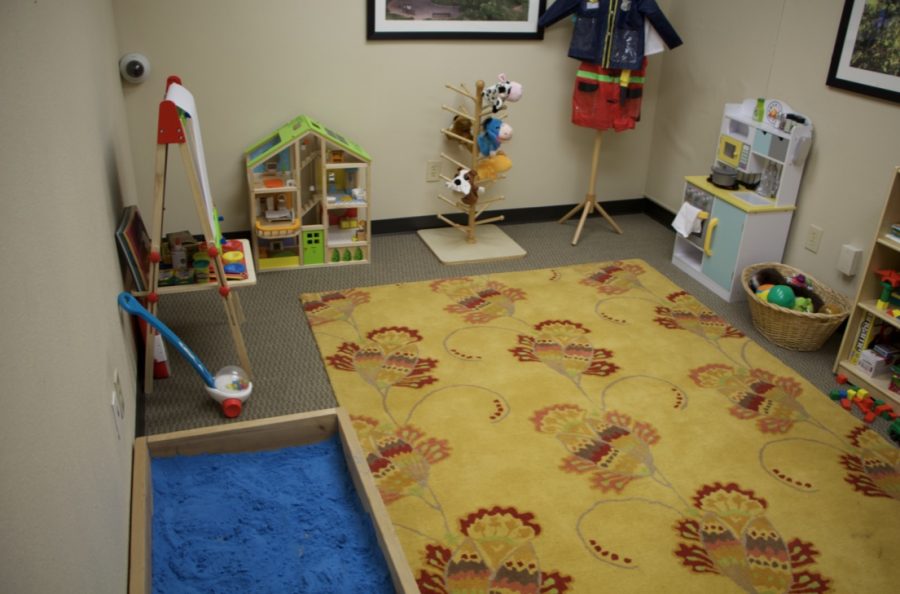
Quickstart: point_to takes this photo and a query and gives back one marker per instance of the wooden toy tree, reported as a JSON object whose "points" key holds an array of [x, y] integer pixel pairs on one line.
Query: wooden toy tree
{"points": [[470, 158]]}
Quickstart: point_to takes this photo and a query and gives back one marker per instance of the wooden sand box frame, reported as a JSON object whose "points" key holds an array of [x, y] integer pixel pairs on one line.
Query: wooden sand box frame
{"points": [[265, 434]]}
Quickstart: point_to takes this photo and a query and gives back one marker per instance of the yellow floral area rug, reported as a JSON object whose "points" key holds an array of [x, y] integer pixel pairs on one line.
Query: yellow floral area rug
{"points": [[594, 428]]}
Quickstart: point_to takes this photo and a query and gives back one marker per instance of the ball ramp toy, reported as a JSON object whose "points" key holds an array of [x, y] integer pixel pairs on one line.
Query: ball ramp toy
{"points": [[231, 385]]}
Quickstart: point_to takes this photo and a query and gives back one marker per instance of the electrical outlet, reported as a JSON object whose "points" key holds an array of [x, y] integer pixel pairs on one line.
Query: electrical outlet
{"points": [[118, 404], [813, 238], [433, 171]]}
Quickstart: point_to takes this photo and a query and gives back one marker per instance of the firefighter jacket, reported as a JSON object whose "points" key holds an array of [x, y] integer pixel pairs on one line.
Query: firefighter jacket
{"points": [[611, 32]]}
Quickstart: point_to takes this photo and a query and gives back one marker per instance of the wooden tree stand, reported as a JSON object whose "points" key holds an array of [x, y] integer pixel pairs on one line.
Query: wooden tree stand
{"points": [[589, 204], [492, 242]]}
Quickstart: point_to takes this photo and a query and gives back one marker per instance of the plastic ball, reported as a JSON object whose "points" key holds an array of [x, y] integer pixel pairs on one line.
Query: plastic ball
{"points": [[764, 288], [782, 295]]}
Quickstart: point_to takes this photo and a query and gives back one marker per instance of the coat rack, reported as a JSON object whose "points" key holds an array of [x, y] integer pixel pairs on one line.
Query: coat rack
{"points": [[589, 204]]}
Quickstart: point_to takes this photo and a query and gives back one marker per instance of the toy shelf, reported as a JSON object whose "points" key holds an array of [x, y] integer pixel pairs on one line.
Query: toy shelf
{"points": [[867, 322], [343, 238], [338, 204]]}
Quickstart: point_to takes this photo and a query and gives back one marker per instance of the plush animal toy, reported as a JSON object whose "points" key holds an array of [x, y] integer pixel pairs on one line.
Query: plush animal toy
{"points": [[494, 132], [462, 126], [513, 89], [464, 183], [490, 168], [505, 90]]}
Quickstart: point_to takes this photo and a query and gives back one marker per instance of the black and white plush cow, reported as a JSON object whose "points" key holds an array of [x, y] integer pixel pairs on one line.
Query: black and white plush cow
{"points": [[505, 90]]}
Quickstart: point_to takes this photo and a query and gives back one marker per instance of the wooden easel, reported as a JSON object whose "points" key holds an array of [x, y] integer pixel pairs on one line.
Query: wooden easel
{"points": [[589, 203], [473, 211], [171, 130]]}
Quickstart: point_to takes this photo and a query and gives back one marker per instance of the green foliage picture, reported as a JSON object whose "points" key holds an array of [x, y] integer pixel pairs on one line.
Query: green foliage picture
{"points": [[866, 56]]}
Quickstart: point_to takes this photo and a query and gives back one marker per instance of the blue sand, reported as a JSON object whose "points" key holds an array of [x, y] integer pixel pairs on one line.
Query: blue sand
{"points": [[278, 521]]}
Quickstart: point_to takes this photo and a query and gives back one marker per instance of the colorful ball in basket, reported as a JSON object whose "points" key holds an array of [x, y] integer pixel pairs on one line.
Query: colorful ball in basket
{"points": [[762, 291], [782, 295]]}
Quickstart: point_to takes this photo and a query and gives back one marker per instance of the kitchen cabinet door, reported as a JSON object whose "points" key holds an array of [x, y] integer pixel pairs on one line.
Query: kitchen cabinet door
{"points": [[726, 224]]}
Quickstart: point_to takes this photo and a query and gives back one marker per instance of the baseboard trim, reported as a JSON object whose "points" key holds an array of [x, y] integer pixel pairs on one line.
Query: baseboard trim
{"points": [[515, 216], [511, 216]]}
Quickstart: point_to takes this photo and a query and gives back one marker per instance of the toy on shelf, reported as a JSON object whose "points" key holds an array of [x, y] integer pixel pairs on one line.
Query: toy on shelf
{"points": [[890, 279], [305, 180], [231, 385]]}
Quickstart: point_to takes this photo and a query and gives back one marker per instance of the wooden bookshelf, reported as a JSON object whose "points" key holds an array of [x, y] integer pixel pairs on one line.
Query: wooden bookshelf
{"points": [[884, 254]]}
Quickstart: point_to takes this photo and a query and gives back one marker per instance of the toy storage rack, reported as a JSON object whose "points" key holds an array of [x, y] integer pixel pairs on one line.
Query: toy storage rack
{"points": [[470, 160], [246, 436], [491, 243]]}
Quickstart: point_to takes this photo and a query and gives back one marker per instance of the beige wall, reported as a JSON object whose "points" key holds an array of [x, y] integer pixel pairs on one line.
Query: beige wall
{"points": [[774, 48], [64, 470], [252, 66]]}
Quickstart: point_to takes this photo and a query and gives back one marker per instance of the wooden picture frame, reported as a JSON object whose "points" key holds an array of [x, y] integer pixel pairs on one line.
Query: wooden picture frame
{"points": [[865, 44], [426, 19]]}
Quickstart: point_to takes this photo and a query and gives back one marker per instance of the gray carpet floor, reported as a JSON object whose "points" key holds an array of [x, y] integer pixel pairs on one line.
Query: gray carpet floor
{"points": [[289, 376]]}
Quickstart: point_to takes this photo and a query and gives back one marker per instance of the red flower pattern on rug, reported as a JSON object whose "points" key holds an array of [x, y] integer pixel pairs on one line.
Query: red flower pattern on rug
{"points": [[734, 538], [334, 307], [615, 279], [756, 394], [687, 313], [388, 358], [401, 458], [875, 471], [611, 446], [478, 301], [563, 346], [496, 554]]}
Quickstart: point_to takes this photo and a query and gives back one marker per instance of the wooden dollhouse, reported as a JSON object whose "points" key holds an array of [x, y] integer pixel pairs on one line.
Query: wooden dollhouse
{"points": [[309, 197]]}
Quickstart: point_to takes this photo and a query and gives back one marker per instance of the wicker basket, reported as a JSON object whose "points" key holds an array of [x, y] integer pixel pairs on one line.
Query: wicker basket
{"points": [[795, 330]]}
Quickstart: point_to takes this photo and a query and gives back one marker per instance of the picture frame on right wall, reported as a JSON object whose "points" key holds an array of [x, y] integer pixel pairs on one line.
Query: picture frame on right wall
{"points": [[866, 57]]}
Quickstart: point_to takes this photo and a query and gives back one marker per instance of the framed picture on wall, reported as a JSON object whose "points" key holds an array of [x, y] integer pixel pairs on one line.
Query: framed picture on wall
{"points": [[454, 19], [866, 56]]}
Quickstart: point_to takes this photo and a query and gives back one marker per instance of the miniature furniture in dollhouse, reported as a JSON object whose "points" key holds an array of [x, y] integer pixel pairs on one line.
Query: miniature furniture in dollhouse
{"points": [[178, 125], [310, 191], [459, 242], [765, 144]]}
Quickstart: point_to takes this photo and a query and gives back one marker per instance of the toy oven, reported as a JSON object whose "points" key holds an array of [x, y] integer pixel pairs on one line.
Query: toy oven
{"points": [[704, 201]]}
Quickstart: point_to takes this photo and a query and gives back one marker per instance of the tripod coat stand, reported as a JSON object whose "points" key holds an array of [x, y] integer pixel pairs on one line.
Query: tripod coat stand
{"points": [[589, 203]]}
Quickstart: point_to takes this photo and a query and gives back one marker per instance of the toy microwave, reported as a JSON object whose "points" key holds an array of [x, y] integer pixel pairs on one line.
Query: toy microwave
{"points": [[733, 152]]}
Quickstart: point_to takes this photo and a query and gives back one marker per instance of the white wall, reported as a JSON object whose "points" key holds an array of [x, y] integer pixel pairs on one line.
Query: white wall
{"points": [[252, 66], [64, 172], [781, 49]]}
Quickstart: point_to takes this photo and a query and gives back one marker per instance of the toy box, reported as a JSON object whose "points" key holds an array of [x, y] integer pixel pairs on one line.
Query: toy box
{"points": [[277, 432], [873, 364]]}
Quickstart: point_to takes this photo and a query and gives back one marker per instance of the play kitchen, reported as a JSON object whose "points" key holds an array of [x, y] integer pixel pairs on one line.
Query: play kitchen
{"points": [[740, 213]]}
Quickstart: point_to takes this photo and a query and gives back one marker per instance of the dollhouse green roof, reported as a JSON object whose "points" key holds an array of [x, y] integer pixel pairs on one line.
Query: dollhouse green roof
{"points": [[294, 130]]}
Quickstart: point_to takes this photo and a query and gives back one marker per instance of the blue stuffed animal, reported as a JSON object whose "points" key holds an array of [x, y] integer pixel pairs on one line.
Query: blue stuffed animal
{"points": [[494, 132]]}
